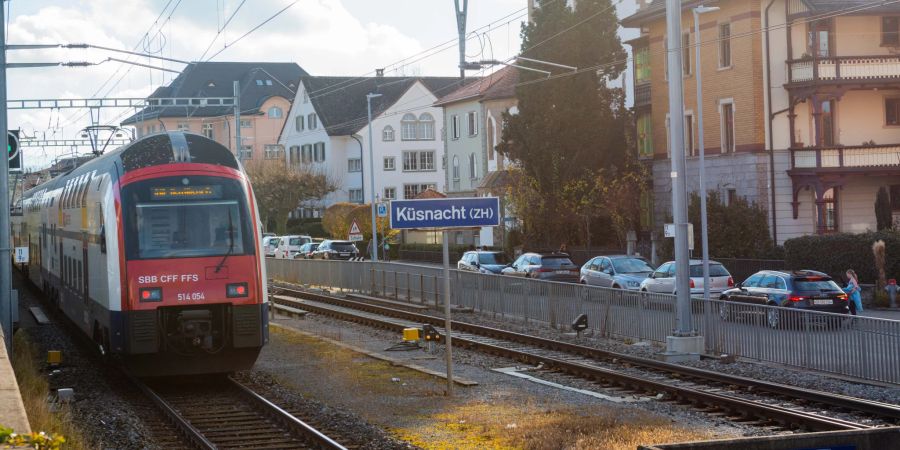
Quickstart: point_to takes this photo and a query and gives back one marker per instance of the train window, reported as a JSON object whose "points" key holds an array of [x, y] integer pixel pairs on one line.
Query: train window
{"points": [[191, 225], [151, 151], [210, 152]]}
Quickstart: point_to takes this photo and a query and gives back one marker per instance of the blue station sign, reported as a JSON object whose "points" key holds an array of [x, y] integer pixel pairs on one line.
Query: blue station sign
{"points": [[445, 213]]}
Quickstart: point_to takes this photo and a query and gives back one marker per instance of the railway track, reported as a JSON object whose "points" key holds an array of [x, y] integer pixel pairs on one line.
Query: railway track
{"points": [[221, 413], [755, 402]]}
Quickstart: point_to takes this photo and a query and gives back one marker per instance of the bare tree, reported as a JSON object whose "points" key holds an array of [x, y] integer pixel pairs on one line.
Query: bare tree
{"points": [[281, 189]]}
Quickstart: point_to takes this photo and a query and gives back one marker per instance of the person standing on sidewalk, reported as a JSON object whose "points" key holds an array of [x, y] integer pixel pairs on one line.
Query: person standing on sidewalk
{"points": [[853, 291], [892, 289]]}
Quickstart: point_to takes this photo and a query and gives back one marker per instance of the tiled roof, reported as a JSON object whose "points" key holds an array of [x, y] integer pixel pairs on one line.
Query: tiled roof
{"points": [[497, 85], [258, 81], [430, 193], [340, 102]]}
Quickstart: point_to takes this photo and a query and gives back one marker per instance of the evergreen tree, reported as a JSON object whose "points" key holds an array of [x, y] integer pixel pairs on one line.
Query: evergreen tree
{"points": [[569, 127]]}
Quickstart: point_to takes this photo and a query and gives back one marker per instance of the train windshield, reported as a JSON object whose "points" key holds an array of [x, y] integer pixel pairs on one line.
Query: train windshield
{"points": [[185, 217]]}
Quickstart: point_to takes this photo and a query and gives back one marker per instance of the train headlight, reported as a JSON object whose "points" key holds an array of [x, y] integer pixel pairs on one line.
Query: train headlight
{"points": [[236, 290], [151, 294]]}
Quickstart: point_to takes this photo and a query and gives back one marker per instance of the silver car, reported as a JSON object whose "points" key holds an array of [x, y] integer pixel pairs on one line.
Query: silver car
{"points": [[662, 280], [617, 272]]}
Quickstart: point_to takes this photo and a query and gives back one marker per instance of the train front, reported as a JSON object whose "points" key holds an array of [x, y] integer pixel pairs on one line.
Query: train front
{"points": [[193, 283]]}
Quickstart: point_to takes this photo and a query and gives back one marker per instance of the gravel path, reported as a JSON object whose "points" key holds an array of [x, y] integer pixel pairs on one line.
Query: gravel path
{"points": [[111, 413]]}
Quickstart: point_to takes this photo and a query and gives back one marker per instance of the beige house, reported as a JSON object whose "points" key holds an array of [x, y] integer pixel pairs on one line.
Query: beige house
{"points": [[801, 114], [266, 92]]}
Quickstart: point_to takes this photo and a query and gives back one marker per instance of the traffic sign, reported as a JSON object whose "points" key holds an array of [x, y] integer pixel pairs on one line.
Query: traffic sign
{"points": [[21, 255], [355, 234], [382, 210], [462, 212], [13, 152]]}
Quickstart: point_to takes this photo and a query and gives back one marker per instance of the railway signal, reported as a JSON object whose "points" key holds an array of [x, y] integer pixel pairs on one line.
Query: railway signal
{"points": [[12, 151]]}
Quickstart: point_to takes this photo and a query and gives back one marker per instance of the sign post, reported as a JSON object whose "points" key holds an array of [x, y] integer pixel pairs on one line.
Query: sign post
{"points": [[446, 214]]}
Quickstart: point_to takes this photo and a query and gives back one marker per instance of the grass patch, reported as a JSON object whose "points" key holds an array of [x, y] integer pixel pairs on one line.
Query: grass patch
{"points": [[504, 426], [27, 363]]}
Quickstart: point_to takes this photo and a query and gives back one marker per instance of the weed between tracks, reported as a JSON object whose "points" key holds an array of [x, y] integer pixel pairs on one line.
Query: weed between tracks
{"points": [[530, 426], [33, 385]]}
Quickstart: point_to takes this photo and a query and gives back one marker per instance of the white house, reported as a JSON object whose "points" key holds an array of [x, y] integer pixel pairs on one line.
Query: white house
{"points": [[327, 130]]}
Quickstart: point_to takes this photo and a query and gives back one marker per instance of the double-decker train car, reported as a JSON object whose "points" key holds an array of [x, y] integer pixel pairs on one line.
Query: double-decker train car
{"points": [[153, 251]]}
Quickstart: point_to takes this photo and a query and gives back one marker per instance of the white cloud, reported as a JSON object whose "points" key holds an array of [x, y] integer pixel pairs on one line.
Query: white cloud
{"points": [[321, 35]]}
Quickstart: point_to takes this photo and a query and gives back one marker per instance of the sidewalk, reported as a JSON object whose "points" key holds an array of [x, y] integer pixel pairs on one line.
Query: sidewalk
{"points": [[882, 313]]}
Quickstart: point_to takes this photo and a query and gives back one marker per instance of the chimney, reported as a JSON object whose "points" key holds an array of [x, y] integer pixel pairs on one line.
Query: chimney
{"points": [[379, 73]]}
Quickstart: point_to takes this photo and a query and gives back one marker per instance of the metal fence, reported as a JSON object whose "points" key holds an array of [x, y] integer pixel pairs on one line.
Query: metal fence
{"points": [[861, 347]]}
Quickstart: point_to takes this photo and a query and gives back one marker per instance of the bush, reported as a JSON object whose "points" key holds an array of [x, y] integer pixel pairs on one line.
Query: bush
{"points": [[835, 253], [312, 227], [737, 230]]}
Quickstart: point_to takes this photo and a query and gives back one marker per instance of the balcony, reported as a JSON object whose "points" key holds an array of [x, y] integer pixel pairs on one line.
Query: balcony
{"points": [[844, 70], [856, 159], [642, 95]]}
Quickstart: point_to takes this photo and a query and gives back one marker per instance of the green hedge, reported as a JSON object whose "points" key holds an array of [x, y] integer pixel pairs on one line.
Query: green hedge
{"points": [[835, 253], [312, 227]]}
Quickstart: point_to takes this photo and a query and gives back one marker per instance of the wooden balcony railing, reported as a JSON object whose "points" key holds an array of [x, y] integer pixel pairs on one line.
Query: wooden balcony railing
{"points": [[845, 68], [846, 157]]}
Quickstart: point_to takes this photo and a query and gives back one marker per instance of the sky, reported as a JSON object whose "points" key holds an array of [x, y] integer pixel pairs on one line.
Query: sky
{"points": [[325, 37]]}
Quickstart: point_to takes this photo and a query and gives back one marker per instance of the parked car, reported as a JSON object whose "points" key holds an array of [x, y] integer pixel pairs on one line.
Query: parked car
{"points": [[329, 249], [800, 289], [662, 280], [289, 245], [544, 266], [617, 272], [306, 250], [483, 261], [270, 245]]}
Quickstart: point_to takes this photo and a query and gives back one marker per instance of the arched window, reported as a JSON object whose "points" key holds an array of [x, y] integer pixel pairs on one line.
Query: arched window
{"points": [[299, 123], [455, 167], [472, 167], [275, 112], [387, 134], [426, 127], [408, 127]]}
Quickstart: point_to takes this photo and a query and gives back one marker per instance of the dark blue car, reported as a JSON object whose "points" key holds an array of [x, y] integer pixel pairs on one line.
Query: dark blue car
{"points": [[483, 261]]}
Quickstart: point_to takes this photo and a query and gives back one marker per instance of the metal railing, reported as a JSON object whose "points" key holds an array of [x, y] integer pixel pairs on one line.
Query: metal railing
{"points": [[855, 346]]}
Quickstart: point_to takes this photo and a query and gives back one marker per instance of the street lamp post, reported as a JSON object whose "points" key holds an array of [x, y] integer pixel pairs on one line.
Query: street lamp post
{"points": [[369, 98], [704, 237]]}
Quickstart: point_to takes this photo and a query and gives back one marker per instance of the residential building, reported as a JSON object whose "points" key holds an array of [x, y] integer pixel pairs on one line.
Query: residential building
{"points": [[473, 118], [836, 109], [327, 130], [266, 91], [734, 137], [800, 114]]}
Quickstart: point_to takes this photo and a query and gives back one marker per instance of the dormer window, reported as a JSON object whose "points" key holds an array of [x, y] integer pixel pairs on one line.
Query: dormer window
{"points": [[211, 84], [268, 82], [259, 82]]}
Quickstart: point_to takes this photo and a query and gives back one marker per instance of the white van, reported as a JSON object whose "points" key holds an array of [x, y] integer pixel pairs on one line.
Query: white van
{"points": [[289, 245], [270, 244]]}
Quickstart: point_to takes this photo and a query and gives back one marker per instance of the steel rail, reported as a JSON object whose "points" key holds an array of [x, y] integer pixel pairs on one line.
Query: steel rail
{"points": [[187, 430], [317, 437], [816, 422], [296, 427]]}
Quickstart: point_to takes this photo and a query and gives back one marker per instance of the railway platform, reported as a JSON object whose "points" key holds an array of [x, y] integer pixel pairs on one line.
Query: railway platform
{"points": [[12, 410]]}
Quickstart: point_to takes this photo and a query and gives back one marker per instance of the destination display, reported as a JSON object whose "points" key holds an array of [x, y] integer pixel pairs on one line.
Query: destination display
{"points": [[185, 192]]}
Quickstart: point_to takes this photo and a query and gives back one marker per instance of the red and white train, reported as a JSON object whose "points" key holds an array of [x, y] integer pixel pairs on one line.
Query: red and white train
{"points": [[153, 251]]}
